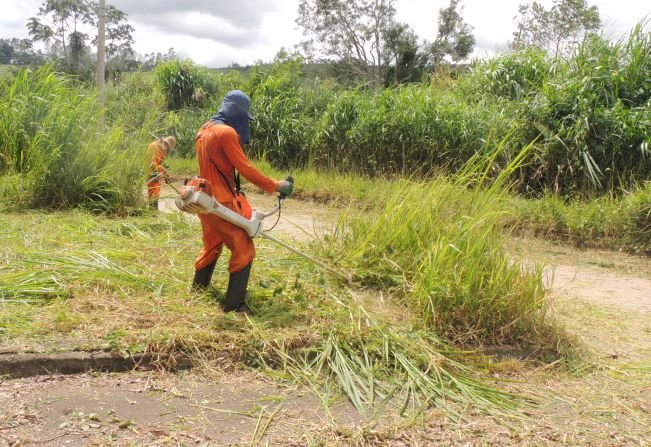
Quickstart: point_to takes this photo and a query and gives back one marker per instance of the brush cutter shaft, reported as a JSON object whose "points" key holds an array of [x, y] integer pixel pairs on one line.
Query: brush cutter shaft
{"points": [[305, 255]]}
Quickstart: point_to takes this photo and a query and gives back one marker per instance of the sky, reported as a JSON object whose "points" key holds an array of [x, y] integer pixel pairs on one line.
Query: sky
{"points": [[216, 33]]}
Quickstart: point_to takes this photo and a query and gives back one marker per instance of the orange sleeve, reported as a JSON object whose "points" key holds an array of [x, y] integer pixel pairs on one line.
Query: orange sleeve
{"points": [[235, 154]]}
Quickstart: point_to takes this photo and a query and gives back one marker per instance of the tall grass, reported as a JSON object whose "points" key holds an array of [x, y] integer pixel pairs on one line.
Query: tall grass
{"points": [[620, 223], [592, 111], [437, 244], [184, 84], [588, 114], [55, 152]]}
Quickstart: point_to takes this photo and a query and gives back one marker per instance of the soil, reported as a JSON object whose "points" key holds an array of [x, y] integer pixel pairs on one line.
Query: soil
{"points": [[604, 298], [235, 408]]}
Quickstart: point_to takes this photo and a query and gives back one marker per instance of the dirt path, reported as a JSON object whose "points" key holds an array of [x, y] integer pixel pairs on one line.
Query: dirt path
{"points": [[599, 277], [235, 408], [601, 287]]}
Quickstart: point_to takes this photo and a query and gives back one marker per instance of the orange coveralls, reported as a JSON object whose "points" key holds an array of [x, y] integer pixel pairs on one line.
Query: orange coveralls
{"points": [[218, 149], [157, 170]]}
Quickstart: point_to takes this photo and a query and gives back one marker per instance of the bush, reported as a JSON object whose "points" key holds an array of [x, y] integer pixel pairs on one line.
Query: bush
{"points": [[56, 153], [512, 75], [286, 109], [437, 245], [590, 111], [184, 84]]}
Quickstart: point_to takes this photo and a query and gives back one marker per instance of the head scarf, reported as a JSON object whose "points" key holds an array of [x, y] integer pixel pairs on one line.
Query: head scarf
{"points": [[234, 112]]}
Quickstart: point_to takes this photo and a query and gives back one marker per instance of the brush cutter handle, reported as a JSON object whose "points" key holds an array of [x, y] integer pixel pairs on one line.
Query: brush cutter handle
{"points": [[284, 195]]}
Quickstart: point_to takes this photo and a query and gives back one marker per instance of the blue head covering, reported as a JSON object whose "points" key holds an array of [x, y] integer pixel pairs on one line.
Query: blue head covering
{"points": [[234, 112]]}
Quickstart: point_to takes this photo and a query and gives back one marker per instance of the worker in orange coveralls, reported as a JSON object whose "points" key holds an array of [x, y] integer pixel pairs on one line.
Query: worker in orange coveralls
{"points": [[158, 150], [219, 153]]}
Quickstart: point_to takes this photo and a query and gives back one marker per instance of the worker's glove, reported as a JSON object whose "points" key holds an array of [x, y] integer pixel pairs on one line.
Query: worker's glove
{"points": [[286, 187]]}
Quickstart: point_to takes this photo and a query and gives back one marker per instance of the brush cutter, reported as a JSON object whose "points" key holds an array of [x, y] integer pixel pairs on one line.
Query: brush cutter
{"points": [[193, 200]]}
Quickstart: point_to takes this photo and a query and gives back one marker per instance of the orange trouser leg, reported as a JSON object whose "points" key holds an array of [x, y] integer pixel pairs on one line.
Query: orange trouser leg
{"points": [[153, 190], [216, 233]]}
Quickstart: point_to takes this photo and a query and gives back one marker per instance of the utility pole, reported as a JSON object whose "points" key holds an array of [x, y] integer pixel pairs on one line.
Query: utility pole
{"points": [[101, 39]]}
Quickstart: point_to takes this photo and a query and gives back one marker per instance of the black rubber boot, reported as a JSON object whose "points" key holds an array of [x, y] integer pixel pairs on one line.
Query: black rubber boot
{"points": [[153, 204], [202, 277], [236, 292]]}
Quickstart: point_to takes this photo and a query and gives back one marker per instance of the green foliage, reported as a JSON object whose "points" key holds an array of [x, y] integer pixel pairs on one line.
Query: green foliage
{"points": [[621, 223], [512, 75], [286, 110], [557, 30], [404, 59], [184, 84], [594, 113], [589, 116], [353, 34], [55, 153], [134, 102], [184, 124], [436, 244], [409, 129], [454, 37], [589, 112]]}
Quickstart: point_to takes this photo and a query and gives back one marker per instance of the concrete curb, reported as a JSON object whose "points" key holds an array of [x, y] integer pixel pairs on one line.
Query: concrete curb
{"points": [[14, 366]]}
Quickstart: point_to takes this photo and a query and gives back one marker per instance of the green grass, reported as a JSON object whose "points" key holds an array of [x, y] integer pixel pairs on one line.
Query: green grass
{"points": [[126, 282], [621, 223], [5, 71], [616, 223]]}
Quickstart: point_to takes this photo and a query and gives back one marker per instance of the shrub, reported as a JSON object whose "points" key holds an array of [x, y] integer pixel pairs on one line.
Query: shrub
{"points": [[184, 84], [56, 151], [286, 109], [437, 245]]}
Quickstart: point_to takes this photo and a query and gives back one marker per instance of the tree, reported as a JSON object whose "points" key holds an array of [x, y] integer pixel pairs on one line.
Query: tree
{"points": [[557, 30], [19, 52], [351, 32], [59, 23], [6, 51], [66, 26], [119, 34], [403, 58], [454, 37]]}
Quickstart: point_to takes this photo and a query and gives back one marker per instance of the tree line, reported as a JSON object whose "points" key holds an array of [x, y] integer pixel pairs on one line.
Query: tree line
{"points": [[361, 40], [64, 32], [365, 39]]}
